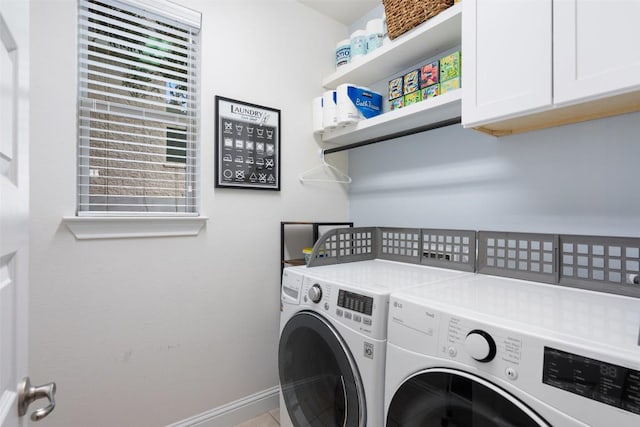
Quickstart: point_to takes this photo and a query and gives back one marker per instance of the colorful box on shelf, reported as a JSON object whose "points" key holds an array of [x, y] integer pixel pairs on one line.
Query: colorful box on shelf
{"points": [[396, 104], [450, 66], [429, 74], [411, 82], [431, 91], [395, 88], [412, 98], [449, 85]]}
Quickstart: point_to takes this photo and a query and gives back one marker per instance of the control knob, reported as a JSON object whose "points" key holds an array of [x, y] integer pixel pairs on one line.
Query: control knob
{"points": [[315, 293], [480, 346]]}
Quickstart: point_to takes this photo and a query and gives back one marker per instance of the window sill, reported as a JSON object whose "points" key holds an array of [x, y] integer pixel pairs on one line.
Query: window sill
{"points": [[87, 228]]}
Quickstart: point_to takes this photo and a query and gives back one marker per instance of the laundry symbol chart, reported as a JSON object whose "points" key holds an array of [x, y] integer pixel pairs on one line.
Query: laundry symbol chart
{"points": [[247, 146]]}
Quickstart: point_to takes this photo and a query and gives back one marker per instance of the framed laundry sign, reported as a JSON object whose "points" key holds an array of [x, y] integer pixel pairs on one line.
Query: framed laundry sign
{"points": [[247, 145]]}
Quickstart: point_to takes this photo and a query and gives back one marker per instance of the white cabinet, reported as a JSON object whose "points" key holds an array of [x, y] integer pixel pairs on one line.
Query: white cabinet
{"points": [[596, 50], [531, 64], [432, 38], [507, 58]]}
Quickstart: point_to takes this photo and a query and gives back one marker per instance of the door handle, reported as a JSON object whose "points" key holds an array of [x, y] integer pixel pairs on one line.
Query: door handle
{"points": [[28, 394]]}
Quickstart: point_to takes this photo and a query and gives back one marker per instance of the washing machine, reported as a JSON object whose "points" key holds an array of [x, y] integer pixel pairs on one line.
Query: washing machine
{"points": [[489, 351], [333, 339]]}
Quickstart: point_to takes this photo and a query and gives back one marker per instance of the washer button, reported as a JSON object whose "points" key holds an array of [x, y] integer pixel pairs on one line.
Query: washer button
{"points": [[452, 352], [366, 321], [357, 318], [326, 306], [512, 374], [339, 312], [347, 315]]}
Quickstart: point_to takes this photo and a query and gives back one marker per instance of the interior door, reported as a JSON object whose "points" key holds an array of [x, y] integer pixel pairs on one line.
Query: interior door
{"points": [[14, 208], [15, 392], [14, 205]]}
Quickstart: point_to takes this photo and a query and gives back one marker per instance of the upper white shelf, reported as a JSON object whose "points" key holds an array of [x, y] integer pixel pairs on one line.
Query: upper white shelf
{"points": [[439, 33]]}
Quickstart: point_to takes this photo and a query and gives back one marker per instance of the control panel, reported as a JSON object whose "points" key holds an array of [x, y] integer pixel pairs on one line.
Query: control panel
{"points": [[604, 382], [354, 309], [352, 301]]}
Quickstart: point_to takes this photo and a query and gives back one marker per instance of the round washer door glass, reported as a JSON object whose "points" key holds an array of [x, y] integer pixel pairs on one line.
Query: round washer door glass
{"points": [[319, 379], [445, 397]]}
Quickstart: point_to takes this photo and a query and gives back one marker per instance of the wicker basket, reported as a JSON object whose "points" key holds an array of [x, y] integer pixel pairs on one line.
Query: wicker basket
{"points": [[403, 15]]}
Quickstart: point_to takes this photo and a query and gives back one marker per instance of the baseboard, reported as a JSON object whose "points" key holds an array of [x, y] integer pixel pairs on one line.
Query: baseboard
{"points": [[234, 412]]}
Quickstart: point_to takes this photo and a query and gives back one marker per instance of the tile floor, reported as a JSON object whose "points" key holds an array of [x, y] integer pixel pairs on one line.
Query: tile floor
{"points": [[270, 419]]}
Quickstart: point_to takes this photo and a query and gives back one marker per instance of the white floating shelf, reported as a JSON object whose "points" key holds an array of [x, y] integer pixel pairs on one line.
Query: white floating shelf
{"points": [[404, 120], [438, 34]]}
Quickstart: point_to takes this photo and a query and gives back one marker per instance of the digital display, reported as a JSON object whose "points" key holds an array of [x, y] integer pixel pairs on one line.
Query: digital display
{"points": [[610, 384], [355, 302]]}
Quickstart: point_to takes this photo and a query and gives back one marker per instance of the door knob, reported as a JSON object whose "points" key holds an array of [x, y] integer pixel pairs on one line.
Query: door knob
{"points": [[28, 393]]}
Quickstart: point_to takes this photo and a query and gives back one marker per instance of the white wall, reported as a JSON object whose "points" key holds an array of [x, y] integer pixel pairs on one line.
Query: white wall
{"points": [[579, 178], [144, 332]]}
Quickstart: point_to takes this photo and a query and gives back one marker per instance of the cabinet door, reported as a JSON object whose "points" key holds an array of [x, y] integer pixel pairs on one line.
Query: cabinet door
{"points": [[596, 49], [506, 56]]}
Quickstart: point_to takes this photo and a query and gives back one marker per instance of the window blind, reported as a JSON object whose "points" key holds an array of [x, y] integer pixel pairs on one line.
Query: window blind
{"points": [[138, 116]]}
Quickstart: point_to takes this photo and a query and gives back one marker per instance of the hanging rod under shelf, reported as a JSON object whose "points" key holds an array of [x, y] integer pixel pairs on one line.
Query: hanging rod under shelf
{"points": [[412, 131]]}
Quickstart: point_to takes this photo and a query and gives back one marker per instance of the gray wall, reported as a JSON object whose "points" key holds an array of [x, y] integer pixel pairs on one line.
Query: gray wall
{"points": [[580, 178]]}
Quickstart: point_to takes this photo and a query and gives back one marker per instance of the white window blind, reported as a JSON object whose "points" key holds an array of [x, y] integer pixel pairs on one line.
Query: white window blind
{"points": [[138, 116]]}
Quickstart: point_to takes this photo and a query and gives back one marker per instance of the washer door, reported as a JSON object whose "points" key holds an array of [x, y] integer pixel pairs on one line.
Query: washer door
{"points": [[320, 382], [446, 397]]}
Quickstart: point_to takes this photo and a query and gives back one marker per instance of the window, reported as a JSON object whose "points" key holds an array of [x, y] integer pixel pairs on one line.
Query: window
{"points": [[138, 119], [176, 145]]}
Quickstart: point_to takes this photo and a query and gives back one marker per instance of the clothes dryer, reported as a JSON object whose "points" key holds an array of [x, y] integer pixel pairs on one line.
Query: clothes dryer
{"points": [[333, 339], [489, 351]]}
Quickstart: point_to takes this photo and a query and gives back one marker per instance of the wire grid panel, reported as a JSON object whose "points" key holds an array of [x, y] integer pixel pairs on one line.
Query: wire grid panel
{"points": [[357, 244], [609, 264], [399, 244], [519, 255], [344, 245], [455, 249]]}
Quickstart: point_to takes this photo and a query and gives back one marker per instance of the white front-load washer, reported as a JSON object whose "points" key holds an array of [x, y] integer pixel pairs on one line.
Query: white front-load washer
{"points": [[333, 333], [490, 351]]}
